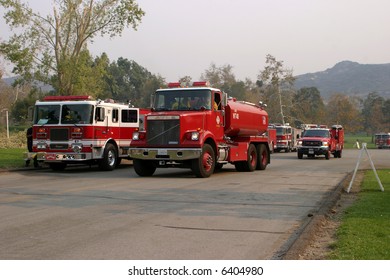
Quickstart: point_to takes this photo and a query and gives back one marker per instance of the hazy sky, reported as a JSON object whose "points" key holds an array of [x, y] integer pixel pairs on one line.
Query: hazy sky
{"points": [[183, 37]]}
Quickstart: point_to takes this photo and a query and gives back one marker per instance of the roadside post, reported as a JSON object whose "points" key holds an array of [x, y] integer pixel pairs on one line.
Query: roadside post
{"points": [[362, 150]]}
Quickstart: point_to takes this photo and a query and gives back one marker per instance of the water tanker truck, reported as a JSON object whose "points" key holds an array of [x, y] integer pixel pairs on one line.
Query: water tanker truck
{"points": [[200, 128]]}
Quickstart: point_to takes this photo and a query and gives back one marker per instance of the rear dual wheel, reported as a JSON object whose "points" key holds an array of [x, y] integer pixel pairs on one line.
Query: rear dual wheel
{"points": [[263, 155], [257, 159]]}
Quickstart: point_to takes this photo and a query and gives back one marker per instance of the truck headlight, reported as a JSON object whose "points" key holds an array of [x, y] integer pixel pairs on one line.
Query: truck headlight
{"points": [[136, 136], [41, 145], [325, 144], [77, 147], [195, 136]]}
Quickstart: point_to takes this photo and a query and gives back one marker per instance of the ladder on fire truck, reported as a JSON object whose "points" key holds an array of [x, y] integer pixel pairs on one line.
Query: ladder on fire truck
{"points": [[364, 149]]}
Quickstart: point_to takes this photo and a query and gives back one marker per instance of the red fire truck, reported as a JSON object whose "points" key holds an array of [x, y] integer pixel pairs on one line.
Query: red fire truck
{"points": [[272, 139], [286, 137], [320, 140], [198, 127], [77, 129], [382, 140]]}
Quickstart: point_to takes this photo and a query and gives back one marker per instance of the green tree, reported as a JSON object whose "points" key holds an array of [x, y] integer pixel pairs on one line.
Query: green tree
{"points": [[277, 82], [220, 77], [344, 110], [186, 80], [53, 45], [386, 115], [308, 106], [129, 81], [373, 113]]}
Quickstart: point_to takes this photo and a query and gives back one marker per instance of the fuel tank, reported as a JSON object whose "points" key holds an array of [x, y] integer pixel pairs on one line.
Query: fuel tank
{"points": [[244, 119]]}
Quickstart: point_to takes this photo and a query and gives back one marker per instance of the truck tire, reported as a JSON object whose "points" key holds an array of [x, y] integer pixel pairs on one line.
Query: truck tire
{"points": [[262, 157], [300, 155], [144, 168], [204, 166], [251, 162], [110, 157], [327, 155]]}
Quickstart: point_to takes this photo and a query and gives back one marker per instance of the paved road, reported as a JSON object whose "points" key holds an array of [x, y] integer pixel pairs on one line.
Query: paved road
{"points": [[82, 213]]}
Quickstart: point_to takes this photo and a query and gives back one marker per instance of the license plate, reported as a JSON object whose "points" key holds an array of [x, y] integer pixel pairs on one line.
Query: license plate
{"points": [[311, 151], [50, 156], [162, 152]]}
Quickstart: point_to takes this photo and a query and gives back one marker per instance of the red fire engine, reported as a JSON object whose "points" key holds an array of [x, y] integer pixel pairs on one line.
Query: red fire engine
{"points": [[199, 128], [77, 129], [286, 137], [272, 139], [382, 140], [320, 140]]}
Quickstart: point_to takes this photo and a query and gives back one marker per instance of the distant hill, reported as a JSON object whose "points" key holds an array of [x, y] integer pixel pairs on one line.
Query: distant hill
{"points": [[42, 86], [350, 78]]}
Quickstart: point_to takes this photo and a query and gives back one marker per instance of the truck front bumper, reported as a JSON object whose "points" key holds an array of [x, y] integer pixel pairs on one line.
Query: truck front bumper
{"points": [[59, 157], [173, 154], [323, 150]]}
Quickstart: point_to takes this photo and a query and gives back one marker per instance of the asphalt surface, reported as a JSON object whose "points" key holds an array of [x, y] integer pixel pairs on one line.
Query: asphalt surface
{"points": [[83, 213]]}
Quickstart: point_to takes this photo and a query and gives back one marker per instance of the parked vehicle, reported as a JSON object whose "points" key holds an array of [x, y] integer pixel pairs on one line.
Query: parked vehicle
{"points": [[286, 137], [77, 129], [382, 140], [204, 131], [271, 133], [321, 140]]}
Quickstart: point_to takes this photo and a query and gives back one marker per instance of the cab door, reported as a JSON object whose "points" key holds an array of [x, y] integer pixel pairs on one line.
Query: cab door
{"points": [[218, 115], [101, 126]]}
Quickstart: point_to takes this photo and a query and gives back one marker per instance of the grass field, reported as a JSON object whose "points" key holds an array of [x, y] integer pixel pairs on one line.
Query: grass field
{"points": [[12, 158], [350, 140], [364, 233]]}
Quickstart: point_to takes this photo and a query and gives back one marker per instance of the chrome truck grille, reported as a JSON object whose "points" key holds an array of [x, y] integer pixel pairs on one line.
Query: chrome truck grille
{"points": [[59, 134], [163, 132], [311, 143]]}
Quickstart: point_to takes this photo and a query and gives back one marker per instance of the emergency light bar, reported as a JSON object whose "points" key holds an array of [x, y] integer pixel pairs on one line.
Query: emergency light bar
{"points": [[194, 84], [67, 98], [174, 85], [201, 84]]}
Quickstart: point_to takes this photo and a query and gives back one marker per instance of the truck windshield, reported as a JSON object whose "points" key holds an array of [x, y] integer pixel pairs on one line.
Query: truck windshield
{"points": [[168, 100], [382, 136], [68, 114], [47, 114], [77, 114], [316, 133]]}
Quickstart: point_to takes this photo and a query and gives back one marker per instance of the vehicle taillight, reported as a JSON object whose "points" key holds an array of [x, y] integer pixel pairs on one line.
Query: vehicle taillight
{"points": [[76, 132], [42, 133]]}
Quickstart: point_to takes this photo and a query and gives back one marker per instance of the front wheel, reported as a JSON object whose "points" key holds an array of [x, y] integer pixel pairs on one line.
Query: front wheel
{"points": [[204, 166], [110, 157], [144, 168]]}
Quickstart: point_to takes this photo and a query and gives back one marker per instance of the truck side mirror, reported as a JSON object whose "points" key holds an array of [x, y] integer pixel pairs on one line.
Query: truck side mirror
{"points": [[30, 113]]}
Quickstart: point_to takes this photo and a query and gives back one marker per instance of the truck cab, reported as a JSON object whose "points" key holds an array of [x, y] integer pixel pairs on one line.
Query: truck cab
{"points": [[198, 127], [321, 140]]}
